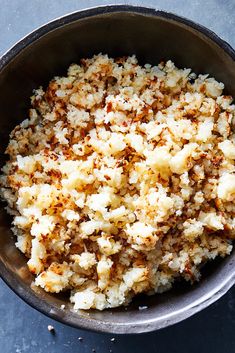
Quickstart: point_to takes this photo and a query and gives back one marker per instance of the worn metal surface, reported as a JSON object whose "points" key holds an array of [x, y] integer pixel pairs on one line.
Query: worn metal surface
{"points": [[24, 330]]}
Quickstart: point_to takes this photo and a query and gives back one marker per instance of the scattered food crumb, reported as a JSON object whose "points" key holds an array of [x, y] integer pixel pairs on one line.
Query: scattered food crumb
{"points": [[80, 338], [144, 307], [112, 339], [51, 328], [62, 306]]}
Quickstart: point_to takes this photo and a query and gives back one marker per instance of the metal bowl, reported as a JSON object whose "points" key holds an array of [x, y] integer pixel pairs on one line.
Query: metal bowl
{"points": [[48, 51]]}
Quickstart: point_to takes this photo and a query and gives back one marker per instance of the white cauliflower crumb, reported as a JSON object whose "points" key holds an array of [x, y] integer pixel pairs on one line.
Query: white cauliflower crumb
{"points": [[122, 180]]}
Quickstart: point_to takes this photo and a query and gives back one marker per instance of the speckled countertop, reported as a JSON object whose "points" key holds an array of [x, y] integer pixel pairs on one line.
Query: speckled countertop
{"points": [[23, 329]]}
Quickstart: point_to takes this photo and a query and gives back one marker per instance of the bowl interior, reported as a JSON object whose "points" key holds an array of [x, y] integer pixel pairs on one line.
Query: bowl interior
{"points": [[152, 37]]}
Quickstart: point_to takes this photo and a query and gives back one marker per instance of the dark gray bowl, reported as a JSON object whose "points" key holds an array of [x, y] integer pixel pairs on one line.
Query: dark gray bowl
{"points": [[48, 51]]}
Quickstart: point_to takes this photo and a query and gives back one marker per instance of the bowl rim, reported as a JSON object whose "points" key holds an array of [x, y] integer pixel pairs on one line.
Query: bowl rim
{"points": [[22, 289]]}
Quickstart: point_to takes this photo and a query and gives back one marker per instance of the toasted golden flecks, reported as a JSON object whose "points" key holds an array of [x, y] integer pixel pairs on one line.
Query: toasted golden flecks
{"points": [[122, 179]]}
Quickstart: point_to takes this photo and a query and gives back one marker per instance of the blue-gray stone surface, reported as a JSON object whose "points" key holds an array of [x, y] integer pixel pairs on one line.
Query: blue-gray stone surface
{"points": [[23, 329]]}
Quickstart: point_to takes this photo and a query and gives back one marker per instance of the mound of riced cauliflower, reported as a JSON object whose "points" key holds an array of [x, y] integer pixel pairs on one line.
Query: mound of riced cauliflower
{"points": [[122, 179]]}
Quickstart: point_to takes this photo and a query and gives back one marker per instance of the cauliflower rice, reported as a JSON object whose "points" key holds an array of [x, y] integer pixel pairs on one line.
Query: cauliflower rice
{"points": [[122, 180]]}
